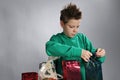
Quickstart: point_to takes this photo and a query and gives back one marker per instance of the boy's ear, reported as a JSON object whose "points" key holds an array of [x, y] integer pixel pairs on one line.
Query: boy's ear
{"points": [[62, 24]]}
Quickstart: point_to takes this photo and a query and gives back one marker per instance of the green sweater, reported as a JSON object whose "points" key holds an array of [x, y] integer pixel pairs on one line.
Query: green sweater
{"points": [[70, 49]]}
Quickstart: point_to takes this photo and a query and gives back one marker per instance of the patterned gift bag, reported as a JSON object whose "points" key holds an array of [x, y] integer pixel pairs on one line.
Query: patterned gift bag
{"points": [[47, 70], [71, 70]]}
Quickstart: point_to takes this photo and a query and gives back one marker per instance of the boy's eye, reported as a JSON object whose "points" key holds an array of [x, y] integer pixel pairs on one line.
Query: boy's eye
{"points": [[71, 26], [77, 26]]}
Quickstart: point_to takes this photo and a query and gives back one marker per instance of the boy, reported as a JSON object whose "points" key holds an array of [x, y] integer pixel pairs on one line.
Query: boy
{"points": [[71, 45]]}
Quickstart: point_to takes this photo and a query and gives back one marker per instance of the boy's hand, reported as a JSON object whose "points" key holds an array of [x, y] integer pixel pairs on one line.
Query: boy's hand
{"points": [[100, 52], [86, 55]]}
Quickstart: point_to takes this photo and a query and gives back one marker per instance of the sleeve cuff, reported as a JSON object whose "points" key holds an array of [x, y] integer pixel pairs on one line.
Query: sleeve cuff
{"points": [[102, 59]]}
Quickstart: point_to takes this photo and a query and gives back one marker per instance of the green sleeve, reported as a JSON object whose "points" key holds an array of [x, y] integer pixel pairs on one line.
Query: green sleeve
{"points": [[93, 50], [102, 59], [55, 48]]}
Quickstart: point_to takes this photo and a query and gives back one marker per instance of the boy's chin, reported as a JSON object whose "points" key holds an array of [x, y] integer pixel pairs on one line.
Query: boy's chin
{"points": [[71, 36]]}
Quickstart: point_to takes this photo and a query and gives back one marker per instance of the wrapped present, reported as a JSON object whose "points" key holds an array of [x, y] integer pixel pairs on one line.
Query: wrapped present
{"points": [[30, 76], [71, 70]]}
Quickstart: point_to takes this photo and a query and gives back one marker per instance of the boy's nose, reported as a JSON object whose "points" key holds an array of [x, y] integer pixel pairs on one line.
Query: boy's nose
{"points": [[75, 30]]}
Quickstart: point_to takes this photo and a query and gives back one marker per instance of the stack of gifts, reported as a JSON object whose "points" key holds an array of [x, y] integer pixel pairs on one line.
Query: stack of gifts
{"points": [[71, 70], [46, 71]]}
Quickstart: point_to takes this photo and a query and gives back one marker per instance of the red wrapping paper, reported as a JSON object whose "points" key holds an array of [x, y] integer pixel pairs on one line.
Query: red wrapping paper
{"points": [[71, 70], [30, 76]]}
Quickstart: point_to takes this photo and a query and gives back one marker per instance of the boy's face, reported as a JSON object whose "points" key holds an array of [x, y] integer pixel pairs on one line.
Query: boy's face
{"points": [[71, 28]]}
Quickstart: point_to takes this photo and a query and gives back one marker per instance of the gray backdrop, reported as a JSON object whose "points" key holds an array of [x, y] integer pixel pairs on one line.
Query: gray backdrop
{"points": [[25, 26]]}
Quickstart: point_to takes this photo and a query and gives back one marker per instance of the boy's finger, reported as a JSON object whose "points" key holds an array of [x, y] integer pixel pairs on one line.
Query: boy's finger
{"points": [[99, 49], [90, 54]]}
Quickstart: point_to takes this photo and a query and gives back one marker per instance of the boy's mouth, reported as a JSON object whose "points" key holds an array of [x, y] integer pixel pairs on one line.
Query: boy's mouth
{"points": [[73, 34]]}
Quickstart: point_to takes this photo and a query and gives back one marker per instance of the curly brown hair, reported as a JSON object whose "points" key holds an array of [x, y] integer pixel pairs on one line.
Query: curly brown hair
{"points": [[70, 12]]}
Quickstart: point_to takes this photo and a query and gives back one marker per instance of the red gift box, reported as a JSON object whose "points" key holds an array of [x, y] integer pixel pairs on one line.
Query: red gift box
{"points": [[71, 70], [30, 76]]}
